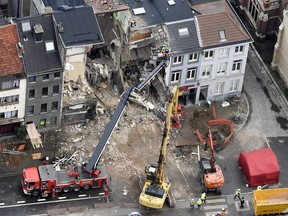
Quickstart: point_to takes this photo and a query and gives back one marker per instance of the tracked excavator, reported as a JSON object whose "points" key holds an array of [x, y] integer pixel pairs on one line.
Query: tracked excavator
{"points": [[156, 188], [211, 176]]}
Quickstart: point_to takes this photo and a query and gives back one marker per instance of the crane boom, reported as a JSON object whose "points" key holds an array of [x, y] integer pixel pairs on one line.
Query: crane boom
{"points": [[108, 131], [93, 161]]}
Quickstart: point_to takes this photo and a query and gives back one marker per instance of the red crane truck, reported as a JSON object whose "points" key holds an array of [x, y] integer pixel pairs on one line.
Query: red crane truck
{"points": [[45, 179]]}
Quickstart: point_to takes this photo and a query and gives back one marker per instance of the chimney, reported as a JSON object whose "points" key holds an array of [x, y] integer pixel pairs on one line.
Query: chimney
{"points": [[20, 49], [48, 10], [60, 27]]}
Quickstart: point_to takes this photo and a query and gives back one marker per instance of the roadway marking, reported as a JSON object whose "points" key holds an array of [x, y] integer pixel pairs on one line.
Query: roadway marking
{"points": [[52, 201], [215, 207], [215, 200], [215, 213], [1, 204], [82, 195], [60, 198], [40, 200], [19, 202]]}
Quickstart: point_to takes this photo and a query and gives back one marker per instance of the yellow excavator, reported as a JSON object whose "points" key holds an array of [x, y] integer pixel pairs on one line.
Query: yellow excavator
{"points": [[156, 189]]}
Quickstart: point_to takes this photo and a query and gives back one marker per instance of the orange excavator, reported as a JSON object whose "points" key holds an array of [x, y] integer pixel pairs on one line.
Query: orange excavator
{"points": [[212, 178]]}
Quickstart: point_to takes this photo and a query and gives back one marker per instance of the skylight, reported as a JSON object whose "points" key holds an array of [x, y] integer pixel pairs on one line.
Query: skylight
{"points": [[183, 31], [49, 46], [26, 26], [222, 36], [138, 11], [171, 2]]}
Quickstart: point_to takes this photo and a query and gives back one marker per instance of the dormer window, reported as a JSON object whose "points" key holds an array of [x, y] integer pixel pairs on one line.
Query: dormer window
{"points": [[38, 32], [49, 46]]}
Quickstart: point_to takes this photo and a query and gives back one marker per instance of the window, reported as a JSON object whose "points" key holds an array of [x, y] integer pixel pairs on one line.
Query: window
{"points": [[193, 57], [45, 91], [239, 49], [234, 86], [191, 72], [44, 107], [26, 26], [55, 105], [236, 66], [46, 77], [30, 110], [32, 79], [53, 120], [183, 31], [221, 69], [206, 72], [253, 8], [10, 84], [223, 52], [177, 60], [208, 54], [56, 75], [49, 46], [219, 88], [222, 36], [56, 89], [9, 114], [31, 93], [42, 122], [9, 99], [175, 76]]}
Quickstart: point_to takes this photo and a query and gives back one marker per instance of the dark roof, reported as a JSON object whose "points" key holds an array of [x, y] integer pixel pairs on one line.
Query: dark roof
{"points": [[211, 24], [36, 58], [186, 43], [159, 12], [10, 62], [56, 5], [80, 27]]}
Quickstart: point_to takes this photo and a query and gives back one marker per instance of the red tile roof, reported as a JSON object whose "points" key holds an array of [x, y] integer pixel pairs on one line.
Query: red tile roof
{"points": [[10, 63], [211, 24]]}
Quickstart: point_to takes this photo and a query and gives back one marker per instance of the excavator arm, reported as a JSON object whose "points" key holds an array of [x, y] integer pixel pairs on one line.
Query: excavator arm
{"points": [[211, 147]]}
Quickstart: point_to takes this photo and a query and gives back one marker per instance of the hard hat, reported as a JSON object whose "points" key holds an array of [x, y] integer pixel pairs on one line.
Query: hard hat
{"points": [[223, 209], [192, 199]]}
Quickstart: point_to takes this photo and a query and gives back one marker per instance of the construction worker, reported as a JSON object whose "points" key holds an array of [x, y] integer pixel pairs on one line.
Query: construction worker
{"points": [[259, 188], [192, 203], [223, 212], [238, 194], [242, 201], [199, 203], [203, 197]]}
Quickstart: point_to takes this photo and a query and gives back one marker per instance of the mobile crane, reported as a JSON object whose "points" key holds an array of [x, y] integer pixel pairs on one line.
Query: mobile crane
{"points": [[46, 179], [156, 189], [211, 176]]}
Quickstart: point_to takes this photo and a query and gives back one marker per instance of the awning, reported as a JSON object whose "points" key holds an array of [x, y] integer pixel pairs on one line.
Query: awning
{"points": [[34, 136]]}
